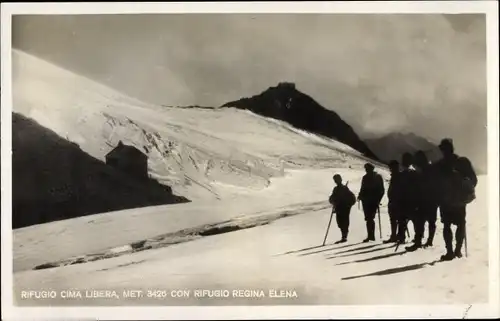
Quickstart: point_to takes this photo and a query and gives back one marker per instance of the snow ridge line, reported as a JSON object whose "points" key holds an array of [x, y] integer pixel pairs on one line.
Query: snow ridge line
{"points": [[191, 234], [347, 151]]}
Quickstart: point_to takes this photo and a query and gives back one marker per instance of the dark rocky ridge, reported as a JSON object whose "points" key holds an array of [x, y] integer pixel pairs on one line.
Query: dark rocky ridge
{"points": [[53, 179], [284, 102]]}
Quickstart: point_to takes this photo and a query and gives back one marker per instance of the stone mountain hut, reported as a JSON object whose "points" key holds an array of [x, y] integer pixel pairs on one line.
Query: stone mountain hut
{"points": [[128, 159]]}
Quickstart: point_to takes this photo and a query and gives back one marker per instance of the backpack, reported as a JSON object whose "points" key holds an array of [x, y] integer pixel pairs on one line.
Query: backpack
{"points": [[350, 197], [459, 188], [468, 190], [465, 188], [344, 196]]}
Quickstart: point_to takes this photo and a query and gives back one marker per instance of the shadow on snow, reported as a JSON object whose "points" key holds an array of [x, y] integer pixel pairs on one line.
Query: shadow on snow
{"points": [[380, 257], [392, 270], [317, 247], [359, 253], [328, 246]]}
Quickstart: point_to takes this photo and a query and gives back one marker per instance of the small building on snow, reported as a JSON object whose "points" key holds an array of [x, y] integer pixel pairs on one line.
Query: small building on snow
{"points": [[129, 160]]}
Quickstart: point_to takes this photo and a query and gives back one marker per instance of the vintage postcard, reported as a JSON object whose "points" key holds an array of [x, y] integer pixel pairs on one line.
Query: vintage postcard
{"points": [[273, 160]]}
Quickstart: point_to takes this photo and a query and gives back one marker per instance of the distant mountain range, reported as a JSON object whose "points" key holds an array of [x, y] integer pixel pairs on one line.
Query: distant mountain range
{"points": [[393, 145], [284, 102]]}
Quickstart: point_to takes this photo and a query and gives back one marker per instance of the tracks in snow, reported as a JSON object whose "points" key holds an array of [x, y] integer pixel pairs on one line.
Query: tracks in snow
{"points": [[194, 233]]}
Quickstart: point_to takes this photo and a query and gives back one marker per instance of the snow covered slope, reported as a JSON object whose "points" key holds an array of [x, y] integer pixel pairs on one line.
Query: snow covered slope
{"points": [[299, 190], [198, 152], [285, 254]]}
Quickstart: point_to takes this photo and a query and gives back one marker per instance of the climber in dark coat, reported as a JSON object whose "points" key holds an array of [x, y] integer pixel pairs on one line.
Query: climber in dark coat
{"points": [[451, 203], [394, 205], [427, 200], [407, 196], [371, 193], [342, 200]]}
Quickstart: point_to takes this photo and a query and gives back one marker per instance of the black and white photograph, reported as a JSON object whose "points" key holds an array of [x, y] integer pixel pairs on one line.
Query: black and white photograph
{"points": [[250, 158]]}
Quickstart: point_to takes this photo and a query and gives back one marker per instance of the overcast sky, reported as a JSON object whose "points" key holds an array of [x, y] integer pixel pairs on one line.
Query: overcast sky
{"points": [[381, 73]]}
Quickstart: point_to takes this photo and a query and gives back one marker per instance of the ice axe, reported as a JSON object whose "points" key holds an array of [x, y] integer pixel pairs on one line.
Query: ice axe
{"points": [[329, 223], [465, 240], [379, 224]]}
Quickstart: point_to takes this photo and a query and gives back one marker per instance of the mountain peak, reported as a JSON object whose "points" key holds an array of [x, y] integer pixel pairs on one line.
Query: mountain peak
{"points": [[290, 86], [393, 145], [284, 102]]}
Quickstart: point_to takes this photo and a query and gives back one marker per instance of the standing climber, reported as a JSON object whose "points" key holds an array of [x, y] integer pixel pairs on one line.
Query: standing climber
{"points": [[408, 194], [342, 200], [394, 206], [457, 181], [371, 193], [425, 201], [428, 201]]}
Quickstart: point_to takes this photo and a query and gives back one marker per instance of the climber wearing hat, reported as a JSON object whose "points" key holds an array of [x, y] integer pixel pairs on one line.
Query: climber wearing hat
{"points": [[457, 181], [371, 193]]}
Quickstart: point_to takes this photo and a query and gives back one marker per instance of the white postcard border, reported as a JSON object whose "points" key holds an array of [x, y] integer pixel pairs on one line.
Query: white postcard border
{"points": [[491, 310]]}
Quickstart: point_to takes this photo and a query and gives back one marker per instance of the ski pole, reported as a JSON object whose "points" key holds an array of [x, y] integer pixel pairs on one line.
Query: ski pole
{"points": [[397, 246], [465, 240], [379, 224], [328, 228]]}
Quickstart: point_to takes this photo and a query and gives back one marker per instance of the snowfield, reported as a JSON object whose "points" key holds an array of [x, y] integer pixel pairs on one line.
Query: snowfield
{"points": [[91, 234], [258, 216], [283, 255]]}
